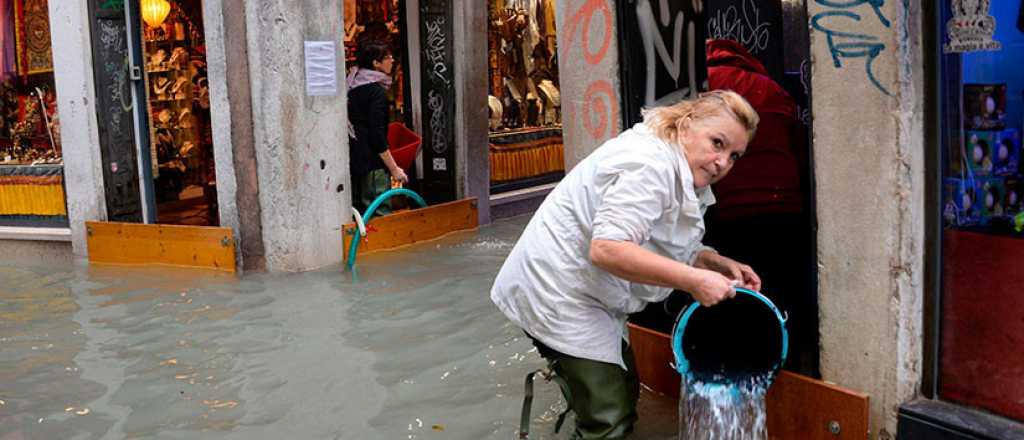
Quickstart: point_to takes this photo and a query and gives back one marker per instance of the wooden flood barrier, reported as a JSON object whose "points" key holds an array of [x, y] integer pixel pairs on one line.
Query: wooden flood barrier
{"points": [[798, 407], [407, 227], [169, 245]]}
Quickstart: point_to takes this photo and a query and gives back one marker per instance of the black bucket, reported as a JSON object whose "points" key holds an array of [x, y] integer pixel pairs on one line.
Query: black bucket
{"points": [[741, 342]]}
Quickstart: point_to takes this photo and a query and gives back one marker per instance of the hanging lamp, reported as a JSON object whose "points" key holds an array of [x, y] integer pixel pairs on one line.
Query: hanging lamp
{"points": [[154, 12]]}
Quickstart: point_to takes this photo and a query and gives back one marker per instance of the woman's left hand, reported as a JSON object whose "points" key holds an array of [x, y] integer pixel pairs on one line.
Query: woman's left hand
{"points": [[733, 269]]}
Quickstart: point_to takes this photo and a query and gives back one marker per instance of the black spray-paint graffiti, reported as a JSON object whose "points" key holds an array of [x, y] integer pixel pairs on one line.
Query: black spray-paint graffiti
{"points": [[743, 26], [438, 121], [435, 50], [843, 44], [656, 50]]}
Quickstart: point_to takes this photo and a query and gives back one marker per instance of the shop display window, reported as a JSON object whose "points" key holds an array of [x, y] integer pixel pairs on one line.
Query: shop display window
{"points": [[184, 181], [524, 101], [31, 163], [981, 360]]}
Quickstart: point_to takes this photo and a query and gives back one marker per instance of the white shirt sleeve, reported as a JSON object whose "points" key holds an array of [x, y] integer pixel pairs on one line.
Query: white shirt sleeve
{"points": [[633, 192]]}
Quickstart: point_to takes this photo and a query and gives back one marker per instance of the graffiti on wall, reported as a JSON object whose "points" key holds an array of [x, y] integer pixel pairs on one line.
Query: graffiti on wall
{"points": [[657, 53], [599, 109], [836, 21], [438, 99], [743, 25], [661, 48]]}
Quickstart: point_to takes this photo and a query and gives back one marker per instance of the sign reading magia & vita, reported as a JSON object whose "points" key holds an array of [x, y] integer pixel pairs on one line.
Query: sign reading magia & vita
{"points": [[971, 28]]}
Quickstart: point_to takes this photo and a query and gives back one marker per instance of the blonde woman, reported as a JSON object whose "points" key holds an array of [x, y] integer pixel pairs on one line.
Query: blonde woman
{"points": [[624, 229]]}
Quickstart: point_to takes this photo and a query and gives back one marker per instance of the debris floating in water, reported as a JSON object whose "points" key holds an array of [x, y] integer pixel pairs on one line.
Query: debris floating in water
{"points": [[438, 428]]}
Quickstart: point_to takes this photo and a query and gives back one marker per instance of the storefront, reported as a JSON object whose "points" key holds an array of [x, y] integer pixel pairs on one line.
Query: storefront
{"points": [[153, 112], [524, 99], [975, 346], [31, 161]]}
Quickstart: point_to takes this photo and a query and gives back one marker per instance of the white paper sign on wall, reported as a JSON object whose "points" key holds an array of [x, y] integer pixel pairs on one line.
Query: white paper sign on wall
{"points": [[321, 73]]}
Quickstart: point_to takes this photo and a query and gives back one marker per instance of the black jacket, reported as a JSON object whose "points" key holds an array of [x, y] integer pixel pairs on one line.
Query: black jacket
{"points": [[368, 113]]}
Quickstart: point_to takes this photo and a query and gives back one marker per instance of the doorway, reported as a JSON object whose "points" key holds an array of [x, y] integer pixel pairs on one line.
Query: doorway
{"points": [[184, 184]]}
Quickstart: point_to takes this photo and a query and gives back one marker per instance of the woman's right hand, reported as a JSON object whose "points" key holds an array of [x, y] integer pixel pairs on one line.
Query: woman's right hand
{"points": [[712, 288], [399, 175]]}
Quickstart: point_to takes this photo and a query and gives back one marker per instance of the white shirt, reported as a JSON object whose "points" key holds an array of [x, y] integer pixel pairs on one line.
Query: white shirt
{"points": [[635, 188]]}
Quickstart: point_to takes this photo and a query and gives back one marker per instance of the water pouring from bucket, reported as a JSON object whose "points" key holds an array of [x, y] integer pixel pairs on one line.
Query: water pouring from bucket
{"points": [[728, 356]]}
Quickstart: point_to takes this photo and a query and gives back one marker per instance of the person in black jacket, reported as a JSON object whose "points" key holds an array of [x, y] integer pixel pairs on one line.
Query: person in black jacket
{"points": [[370, 162]]}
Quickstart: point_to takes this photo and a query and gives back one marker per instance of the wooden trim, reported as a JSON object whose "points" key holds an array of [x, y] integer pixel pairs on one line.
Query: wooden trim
{"points": [[165, 245], [408, 227]]}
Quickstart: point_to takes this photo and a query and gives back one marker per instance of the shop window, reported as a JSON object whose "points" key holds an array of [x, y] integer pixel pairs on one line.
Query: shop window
{"points": [[184, 182], [524, 101], [981, 361], [31, 163]]}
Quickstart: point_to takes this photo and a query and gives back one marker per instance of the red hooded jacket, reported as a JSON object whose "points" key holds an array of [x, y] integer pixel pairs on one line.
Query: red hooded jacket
{"points": [[767, 178]]}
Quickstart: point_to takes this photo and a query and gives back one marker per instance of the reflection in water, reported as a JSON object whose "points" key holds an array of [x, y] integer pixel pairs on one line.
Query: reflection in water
{"points": [[414, 349]]}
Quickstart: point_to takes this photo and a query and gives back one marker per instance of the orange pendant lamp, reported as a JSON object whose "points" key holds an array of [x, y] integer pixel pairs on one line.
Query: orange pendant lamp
{"points": [[154, 12]]}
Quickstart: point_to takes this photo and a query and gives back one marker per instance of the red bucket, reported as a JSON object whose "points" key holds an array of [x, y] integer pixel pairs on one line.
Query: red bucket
{"points": [[403, 144]]}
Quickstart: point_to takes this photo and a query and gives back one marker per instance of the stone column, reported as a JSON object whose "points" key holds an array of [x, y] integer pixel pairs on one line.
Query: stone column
{"points": [[76, 98], [301, 142], [589, 76], [869, 166], [231, 118], [471, 73]]}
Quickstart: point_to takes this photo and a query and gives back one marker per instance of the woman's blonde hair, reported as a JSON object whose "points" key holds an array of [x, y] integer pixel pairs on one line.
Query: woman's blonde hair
{"points": [[669, 120]]}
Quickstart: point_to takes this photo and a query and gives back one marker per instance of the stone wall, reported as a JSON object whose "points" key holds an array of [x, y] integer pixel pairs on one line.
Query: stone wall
{"points": [[76, 106], [300, 141], [869, 170], [589, 75]]}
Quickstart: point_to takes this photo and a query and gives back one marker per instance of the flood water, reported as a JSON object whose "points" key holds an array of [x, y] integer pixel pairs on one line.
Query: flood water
{"points": [[413, 349]]}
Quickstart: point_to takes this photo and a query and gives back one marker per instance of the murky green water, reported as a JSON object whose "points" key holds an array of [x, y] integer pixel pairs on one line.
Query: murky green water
{"points": [[413, 349]]}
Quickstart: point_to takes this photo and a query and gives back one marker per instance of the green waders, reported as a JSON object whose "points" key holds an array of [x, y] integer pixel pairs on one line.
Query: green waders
{"points": [[602, 395], [368, 188]]}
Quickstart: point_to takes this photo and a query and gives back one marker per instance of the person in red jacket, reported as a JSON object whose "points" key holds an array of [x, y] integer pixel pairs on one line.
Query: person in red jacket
{"points": [[760, 215]]}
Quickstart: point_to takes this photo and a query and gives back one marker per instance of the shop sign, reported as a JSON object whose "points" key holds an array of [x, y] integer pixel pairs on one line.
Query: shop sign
{"points": [[971, 28]]}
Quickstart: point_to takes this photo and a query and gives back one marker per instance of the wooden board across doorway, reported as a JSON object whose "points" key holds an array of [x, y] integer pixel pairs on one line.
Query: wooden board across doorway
{"points": [[802, 408], [798, 407], [408, 227], [171, 245]]}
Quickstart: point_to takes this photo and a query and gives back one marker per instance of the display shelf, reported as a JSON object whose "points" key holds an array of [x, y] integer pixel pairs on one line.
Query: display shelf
{"points": [[167, 70]]}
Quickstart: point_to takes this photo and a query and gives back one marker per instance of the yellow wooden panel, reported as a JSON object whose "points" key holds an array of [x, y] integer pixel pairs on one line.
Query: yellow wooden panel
{"points": [[32, 199], [172, 245], [408, 227]]}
